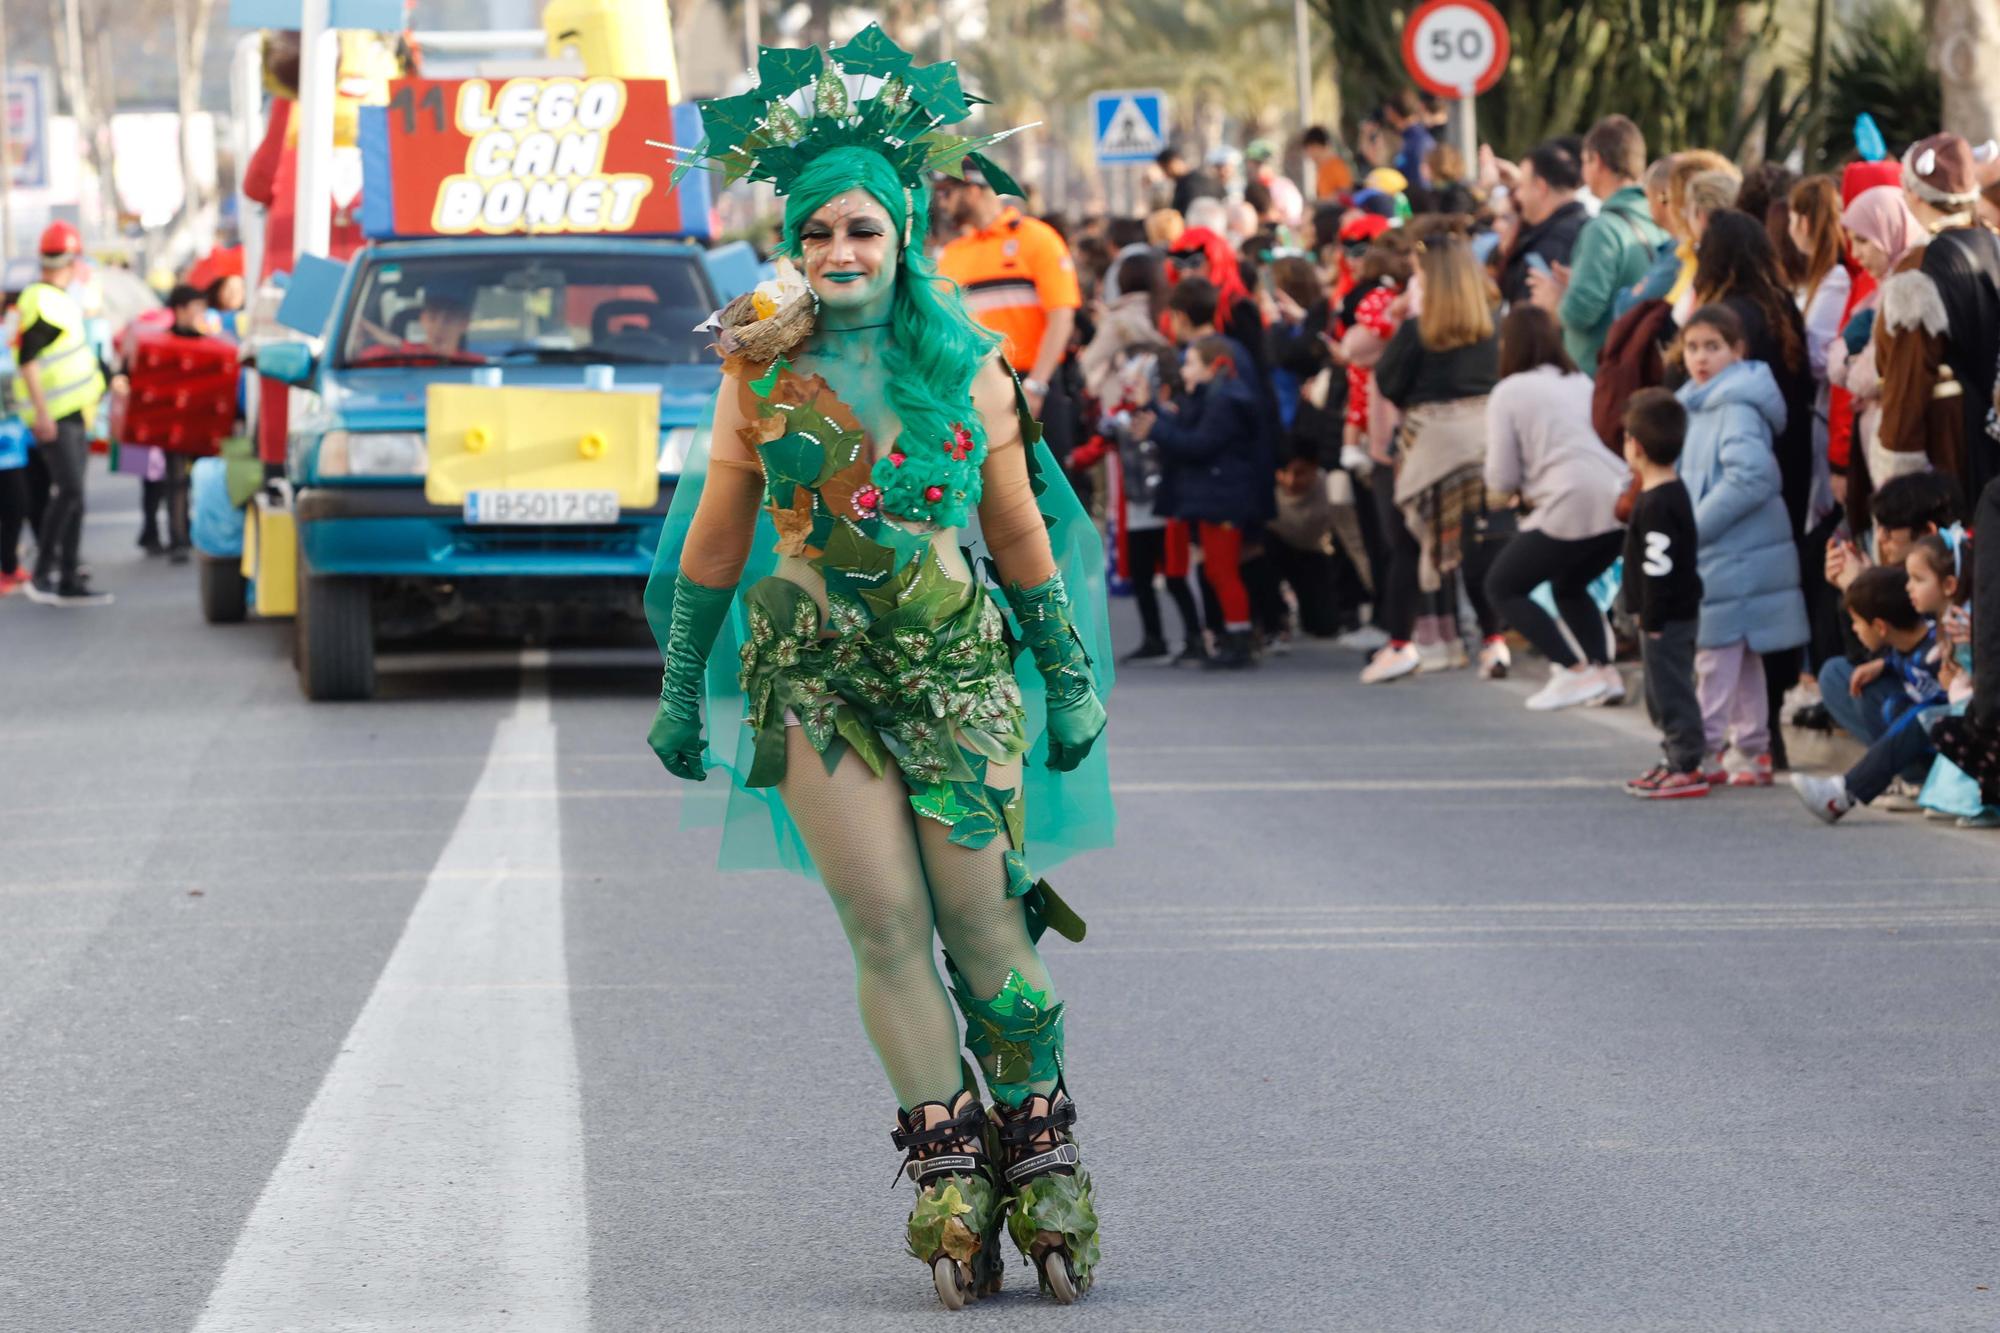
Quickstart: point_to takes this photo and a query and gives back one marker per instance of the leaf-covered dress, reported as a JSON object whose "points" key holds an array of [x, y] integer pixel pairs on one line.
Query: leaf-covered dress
{"points": [[878, 635]]}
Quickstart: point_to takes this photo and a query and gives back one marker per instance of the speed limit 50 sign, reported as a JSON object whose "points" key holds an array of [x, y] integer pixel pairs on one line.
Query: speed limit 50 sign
{"points": [[1456, 48]]}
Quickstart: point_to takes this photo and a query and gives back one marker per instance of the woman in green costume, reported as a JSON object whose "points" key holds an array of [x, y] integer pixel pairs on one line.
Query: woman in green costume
{"points": [[857, 435]]}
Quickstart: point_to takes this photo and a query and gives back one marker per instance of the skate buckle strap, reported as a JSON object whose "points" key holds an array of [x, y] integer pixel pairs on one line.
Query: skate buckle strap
{"points": [[915, 1137], [944, 1164], [1042, 1164], [1018, 1131]]}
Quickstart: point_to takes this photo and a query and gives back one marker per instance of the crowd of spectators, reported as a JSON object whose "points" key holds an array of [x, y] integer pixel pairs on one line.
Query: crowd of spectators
{"points": [[1602, 404]]}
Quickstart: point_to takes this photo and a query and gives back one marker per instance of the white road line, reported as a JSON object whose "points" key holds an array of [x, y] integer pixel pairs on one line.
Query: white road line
{"points": [[1363, 785], [1153, 912], [436, 1183], [1874, 939], [532, 795]]}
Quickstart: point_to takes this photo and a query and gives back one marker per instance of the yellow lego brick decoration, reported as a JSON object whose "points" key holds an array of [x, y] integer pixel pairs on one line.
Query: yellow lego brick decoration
{"points": [[270, 556], [626, 39], [497, 439]]}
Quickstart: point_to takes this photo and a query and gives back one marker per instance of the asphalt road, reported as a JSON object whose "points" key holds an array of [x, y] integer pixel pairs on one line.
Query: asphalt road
{"points": [[1395, 1014]]}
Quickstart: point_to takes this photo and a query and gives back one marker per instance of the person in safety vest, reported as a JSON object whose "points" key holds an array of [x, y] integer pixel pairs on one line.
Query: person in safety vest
{"points": [[56, 392]]}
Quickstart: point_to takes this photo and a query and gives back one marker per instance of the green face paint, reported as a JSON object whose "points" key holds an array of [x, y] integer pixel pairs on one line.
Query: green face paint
{"points": [[849, 249]]}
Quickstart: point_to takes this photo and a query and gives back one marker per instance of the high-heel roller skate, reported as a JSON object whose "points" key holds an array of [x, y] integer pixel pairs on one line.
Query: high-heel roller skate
{"points": [[955, 1225], [1052, 1216]]}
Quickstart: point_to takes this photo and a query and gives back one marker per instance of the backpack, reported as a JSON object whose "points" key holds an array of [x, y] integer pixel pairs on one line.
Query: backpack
{"points": [[15, 437], [1633, 358]]}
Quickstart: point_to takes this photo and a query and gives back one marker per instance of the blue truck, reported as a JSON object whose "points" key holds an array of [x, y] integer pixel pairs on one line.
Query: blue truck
{"points": [[489, 432]]}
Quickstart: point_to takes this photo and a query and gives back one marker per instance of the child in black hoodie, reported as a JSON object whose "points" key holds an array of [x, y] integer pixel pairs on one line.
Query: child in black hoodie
{"points": [[1663, 593]]}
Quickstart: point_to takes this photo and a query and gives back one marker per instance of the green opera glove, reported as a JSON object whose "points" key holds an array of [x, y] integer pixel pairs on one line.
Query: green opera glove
{"points": [[697, 618], [1076, 715]]}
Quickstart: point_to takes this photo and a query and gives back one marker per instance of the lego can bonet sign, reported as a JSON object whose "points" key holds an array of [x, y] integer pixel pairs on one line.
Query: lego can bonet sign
{"points": [[1456, 48], [524, 156]]}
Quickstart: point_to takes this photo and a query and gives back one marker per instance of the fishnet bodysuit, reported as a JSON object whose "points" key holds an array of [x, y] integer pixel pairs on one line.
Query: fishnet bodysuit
{"points": [[896, 880]]}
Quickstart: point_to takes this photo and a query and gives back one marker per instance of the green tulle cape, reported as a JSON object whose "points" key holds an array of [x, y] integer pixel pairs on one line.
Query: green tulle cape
{"points": [[1067, 812]]}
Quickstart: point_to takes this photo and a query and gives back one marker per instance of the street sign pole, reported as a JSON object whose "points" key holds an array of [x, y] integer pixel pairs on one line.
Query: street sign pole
{"points": [[6, 149], [319, 64], [1462, 132], [1302, 38]]}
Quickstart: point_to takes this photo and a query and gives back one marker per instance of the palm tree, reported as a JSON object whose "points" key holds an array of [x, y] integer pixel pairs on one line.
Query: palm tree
{"points": [[1965, 50]]}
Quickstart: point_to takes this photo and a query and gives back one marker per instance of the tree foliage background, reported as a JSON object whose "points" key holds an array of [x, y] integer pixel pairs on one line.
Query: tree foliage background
{"points": [[1728, 74], [1688, 71]]}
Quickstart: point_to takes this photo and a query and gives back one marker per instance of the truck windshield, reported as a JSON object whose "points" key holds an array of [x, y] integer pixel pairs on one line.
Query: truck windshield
{"points": [[502, 308]]}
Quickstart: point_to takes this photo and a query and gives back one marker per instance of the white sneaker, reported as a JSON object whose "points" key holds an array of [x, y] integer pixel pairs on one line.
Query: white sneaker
{"points": [[1367, 639], [1827, 798], [1392, 663], [1614, 686], [1442, 657], [1568, 687], [1495, 661], [1901, 798]]}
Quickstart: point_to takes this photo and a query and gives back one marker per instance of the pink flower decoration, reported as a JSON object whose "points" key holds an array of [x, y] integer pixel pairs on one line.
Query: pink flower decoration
{"points": [[898, 458], [867, 500], [933, 493]]}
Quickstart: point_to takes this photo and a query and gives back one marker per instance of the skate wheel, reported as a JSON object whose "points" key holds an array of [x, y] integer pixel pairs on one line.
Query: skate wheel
{"points": [[954, 1284], [1061, 1279]]}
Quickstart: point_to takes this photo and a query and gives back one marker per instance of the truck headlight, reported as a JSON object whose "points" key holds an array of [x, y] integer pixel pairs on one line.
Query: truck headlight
{"points": [[674, 450], [345, 453]]}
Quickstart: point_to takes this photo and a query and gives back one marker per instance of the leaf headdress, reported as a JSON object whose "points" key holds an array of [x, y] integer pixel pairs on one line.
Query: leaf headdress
{"points": [[869, 94]]}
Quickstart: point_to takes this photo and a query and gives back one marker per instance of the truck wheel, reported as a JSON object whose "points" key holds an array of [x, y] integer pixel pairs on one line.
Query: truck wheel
{"points": [[336, 637], [224, 591]]}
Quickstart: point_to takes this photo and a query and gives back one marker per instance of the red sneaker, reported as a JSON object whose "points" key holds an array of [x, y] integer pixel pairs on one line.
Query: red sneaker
{"points": [[1756, 772], [1644, 784], [1674, 787], [12, 583], [1715, 768]]}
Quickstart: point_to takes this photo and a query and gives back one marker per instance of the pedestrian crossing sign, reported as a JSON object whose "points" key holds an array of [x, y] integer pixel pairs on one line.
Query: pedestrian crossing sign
{"points": [[1131, 125]]}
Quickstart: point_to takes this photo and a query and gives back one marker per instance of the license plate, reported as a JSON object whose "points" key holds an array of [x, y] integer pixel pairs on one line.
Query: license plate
{"points": [[535, 507]]}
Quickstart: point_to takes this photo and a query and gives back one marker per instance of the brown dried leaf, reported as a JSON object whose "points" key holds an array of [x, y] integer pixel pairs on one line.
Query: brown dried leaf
{"points": [[838, 492], [795, 524], [959, 1242]]}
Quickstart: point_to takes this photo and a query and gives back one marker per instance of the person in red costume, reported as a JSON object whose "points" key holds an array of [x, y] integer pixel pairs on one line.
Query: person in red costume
{"points": [[368, 62]]}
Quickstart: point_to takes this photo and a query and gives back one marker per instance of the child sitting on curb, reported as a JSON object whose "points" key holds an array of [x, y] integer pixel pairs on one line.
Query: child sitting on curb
{"points": [[1940, 583], [1885, 620]]}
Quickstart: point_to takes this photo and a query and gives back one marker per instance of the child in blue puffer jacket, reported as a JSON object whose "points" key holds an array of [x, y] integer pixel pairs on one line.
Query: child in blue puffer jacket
{"points": [[1751, 603]]}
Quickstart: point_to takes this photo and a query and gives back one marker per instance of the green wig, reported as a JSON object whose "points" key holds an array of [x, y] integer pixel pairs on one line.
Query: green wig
{"points": [[936, 348]]}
